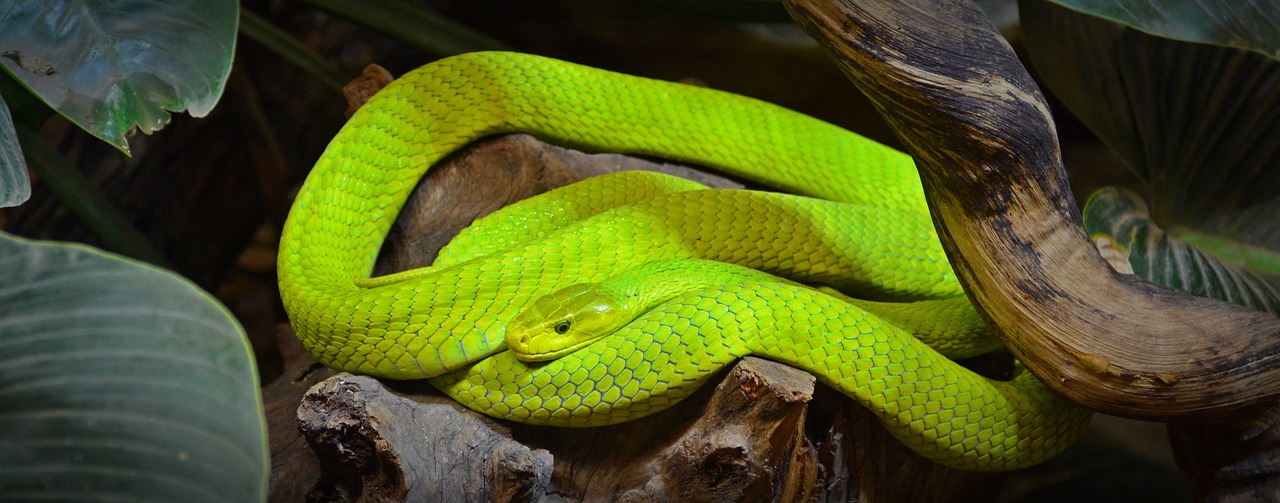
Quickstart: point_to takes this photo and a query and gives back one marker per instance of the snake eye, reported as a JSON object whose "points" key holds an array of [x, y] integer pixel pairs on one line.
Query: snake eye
{"points": [[562, 327]]}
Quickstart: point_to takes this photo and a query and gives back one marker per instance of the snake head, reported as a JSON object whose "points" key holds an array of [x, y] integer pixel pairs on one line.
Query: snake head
{"points": [[564, 321]]}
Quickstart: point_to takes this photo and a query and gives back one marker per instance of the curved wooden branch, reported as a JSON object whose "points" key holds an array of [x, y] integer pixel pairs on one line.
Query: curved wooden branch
{"points": [[987, 151]]}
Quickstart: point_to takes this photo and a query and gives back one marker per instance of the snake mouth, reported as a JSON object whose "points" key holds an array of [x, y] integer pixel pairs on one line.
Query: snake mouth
{"points": [[524, 353]]}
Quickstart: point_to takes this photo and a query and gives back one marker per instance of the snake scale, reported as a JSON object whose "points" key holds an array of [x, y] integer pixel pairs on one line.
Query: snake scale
{"points": [[853, 217]]}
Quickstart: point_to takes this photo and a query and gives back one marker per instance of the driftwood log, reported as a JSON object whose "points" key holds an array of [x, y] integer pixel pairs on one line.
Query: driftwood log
{"points": [[987, 149], [765, 432]]}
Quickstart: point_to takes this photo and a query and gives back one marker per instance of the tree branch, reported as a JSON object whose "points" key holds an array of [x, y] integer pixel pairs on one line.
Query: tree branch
{"points": [[987, 150]]}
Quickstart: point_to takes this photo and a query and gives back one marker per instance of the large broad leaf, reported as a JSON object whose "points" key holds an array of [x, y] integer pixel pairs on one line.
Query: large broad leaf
{"points": [[1200, 123], [15, 186], [1078, 59], [1245, 24], [108, 65], [121, 382], [1209, 121], [1122, 228]]}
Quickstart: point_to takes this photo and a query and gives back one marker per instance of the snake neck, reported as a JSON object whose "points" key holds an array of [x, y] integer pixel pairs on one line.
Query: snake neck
{"points": [[575, 316], [655, 283]]}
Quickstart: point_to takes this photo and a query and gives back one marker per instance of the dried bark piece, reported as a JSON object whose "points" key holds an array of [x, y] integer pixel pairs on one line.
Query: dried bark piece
{"points": [[746, 443], [741, 440], [368, 83], [747, 440], [375, 445]]}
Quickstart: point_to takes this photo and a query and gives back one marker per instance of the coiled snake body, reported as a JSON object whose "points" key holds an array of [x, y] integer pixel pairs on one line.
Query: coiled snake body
{"points": [[868, 232]]}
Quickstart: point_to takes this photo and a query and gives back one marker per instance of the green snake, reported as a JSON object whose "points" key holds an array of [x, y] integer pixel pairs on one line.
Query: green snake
{"points": [[862, 226]]}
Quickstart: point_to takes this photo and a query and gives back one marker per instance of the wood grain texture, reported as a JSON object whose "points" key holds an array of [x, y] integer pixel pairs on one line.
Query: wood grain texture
{"points": [[987, 151], [747, 439]]}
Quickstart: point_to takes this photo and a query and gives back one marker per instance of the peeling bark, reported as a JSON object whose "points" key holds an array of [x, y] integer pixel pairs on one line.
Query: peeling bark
{"points": [[746, 439]]}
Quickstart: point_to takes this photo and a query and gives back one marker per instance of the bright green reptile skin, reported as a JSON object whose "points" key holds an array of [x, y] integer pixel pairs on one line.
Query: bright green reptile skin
{"points": [[949, 325], [413, 328], [427, 322], [683, 320]]}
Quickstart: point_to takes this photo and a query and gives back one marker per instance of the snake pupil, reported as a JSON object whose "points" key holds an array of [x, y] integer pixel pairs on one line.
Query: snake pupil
{"points": [[562, 327]]}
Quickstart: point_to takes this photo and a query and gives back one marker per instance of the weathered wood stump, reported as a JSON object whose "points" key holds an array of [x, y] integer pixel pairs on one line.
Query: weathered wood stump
{"points": [[407, 443], [765, 432], [746, 439]]}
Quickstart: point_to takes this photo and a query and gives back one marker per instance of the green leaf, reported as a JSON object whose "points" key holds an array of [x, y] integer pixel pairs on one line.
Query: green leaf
{"points": [[1250, 237], [1209, 122], [1121, 226], [121, 382], [1077, 57], [26, 108], [108, 65], [1244, 24], [1201, 124], [15, 185]]}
